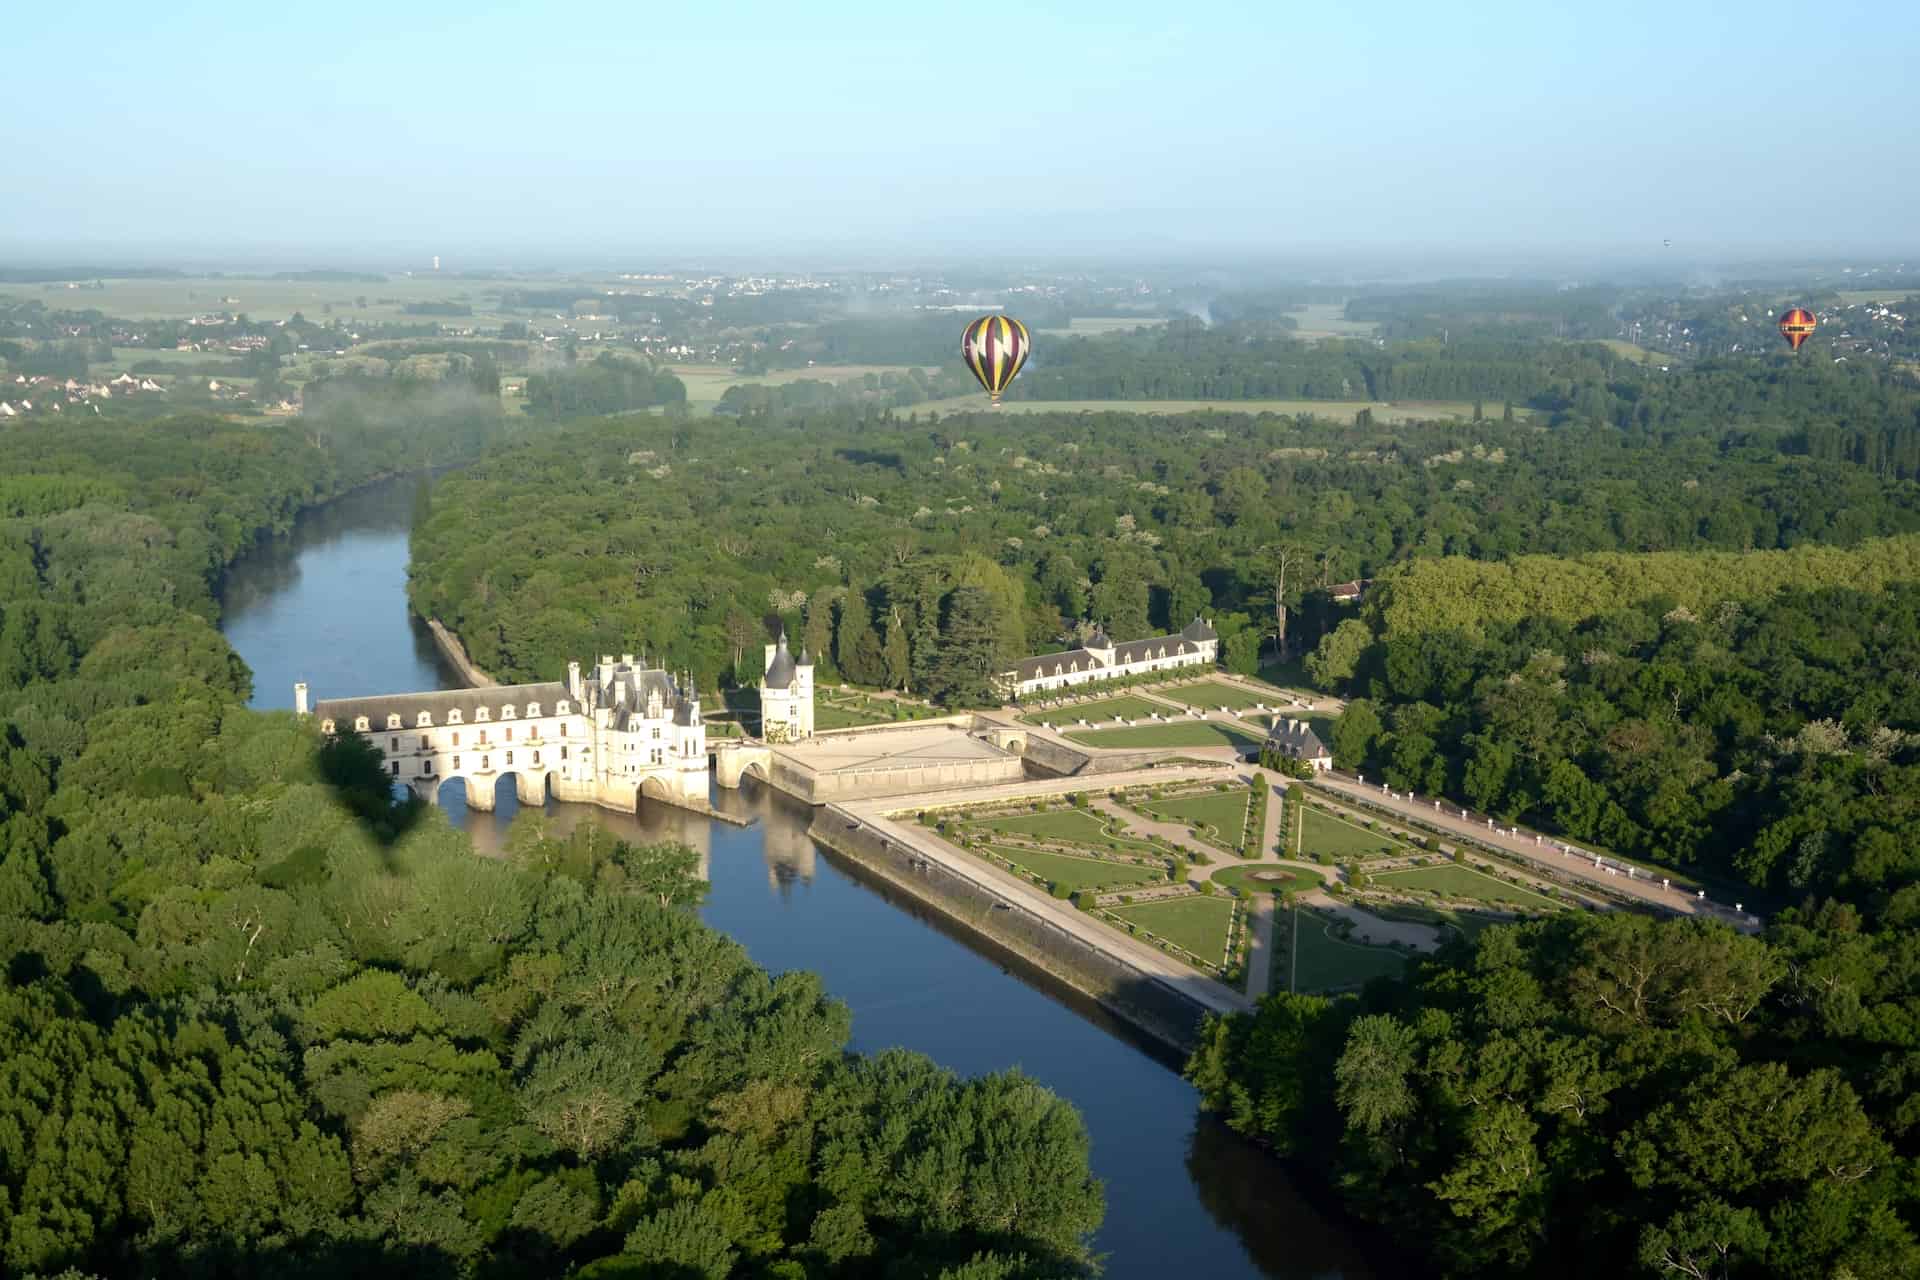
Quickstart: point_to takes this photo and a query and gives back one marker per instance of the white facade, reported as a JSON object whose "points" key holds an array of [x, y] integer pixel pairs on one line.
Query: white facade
{"points": [[786, 694], [624, 731], [1196, 645]]}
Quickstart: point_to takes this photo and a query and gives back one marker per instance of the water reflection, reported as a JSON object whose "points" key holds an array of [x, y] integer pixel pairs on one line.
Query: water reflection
{"points": [[327, 605]]}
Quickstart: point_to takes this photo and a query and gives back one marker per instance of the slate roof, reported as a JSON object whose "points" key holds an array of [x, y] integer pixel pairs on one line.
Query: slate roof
{"points": [[781, 670], [1199, 631], [468, 702], [1297, 739], [1152, 647]]}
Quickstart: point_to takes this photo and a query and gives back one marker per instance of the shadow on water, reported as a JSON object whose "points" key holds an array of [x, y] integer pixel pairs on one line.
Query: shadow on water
{"points": [[327, 605]]}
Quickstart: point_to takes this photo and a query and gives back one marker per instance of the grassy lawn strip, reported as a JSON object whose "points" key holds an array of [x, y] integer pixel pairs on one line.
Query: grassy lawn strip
{"points": [[1465, 882], [1220, 816], [1324, 833], [1079, 873], [1469, 923], [1324, 962], [1189, 733], [1212, 693], [1075, 826], [1100, 710], [1267, 879], [1197, 925]]}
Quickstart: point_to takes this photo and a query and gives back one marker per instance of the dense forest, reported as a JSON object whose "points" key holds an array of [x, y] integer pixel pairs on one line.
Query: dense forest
{"points": [[1605, 1096], [260, 1017], [854, 527]]}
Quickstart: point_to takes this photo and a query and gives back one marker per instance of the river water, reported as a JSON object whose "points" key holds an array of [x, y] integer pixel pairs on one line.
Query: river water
{"points": [[327, 605]]}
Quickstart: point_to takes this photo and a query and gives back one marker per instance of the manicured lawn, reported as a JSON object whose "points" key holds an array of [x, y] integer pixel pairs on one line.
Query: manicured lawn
{"points": [[1224, 811], [1199, 924], [1080, 873], [827, 715], [1323, 962], [1181, 733], [1268, 879], [1213, 693], [1074, 826], [1465, 882], [1097, 711], [1469, 923], [1323, 833]]}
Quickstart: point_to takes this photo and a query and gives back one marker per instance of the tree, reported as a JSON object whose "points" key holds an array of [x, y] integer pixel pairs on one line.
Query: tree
{"points": [[896, 655], [1281, 560], [741, 631], [963, 673], [1354, 734], [1338, 656]]}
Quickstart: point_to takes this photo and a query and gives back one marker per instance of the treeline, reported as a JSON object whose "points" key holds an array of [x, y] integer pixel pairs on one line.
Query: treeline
{"points": [[891, 390], [647, 533], [261, 1018], [606, 384], [1608, 1096], [1772, 742]]}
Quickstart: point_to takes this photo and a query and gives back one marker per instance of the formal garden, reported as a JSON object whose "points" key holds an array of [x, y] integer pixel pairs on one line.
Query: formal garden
{"points": [[1321, 958], [1170, 733], [1202, 929], [1465, 884], [1228, 817], [1328, 837], [1218, 695], [1265, 878]]}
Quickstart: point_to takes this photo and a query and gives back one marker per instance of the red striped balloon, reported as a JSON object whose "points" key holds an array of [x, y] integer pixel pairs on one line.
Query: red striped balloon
{"points": [[1796, 326], [995, 347]]}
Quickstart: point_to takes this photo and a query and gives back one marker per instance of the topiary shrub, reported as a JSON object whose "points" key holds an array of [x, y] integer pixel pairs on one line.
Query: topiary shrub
{"points": [[1059, 890]]}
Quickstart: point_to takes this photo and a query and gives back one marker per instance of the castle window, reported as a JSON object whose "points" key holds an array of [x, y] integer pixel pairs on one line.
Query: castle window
{"points": [[360, 724], [453, 717], [423, 720], [507, 712], [396, 768], [483, 735], [456, 739], [509, 757], [393, 722], [326, 726], [656, 733], [426, 766], [482, 714], [533, 709], [395, 748], [426, 743], [486, 762], [563, 753], [536, 757], [560, 708], [509, 735], [456, 762]]}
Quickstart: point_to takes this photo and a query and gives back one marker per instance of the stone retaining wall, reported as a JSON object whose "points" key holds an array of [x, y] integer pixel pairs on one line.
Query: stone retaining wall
{"points": [[1141, 999]]}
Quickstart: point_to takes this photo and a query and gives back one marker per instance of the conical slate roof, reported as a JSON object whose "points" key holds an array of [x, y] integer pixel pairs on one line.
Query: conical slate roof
{"points": [[780, 671]]}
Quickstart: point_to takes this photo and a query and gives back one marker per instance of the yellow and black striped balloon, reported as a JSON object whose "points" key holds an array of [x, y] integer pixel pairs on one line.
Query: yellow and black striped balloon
{"points": [[995, 347]]}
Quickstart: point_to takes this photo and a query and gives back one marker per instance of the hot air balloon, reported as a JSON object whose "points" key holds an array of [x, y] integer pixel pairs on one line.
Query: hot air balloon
{"points": [[994, 348], [1796, 326]]}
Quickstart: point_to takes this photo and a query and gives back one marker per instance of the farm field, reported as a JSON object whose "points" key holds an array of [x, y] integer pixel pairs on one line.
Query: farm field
{"points": [[1323, 962], [1212, 694], [1224, 811], [1340, 839], [1198, 924], [1179, 733], [1079, 873], [706, 383], [1095, 326], [1634, 352], [1877, 295], [265, 299], [1102, 709], [1332, 410], [1266, 879], [1465, 882]]}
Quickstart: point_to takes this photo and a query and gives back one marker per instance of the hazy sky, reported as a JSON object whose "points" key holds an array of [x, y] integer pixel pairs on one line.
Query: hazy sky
{"points": [[563, 131]]}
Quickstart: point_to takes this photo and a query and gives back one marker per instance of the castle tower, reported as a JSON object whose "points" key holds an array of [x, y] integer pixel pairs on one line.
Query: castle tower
{"points": [[786, 694], [300, 698]]}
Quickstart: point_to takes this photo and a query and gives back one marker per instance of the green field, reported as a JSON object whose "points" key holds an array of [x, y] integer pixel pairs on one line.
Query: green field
{"points": [[1340, 839], [1072, 826], [1198, 924], [1469, 923], [1248, 880], [1332, 410], [1323, 962], [846, 711], [1079, 873], [1329, 320], [1224, 811], [1180, 733], [1465, 882], [1096, 326], [706, 383], [1634, 352], [263, 299], [1212, 694], [1102, 709]]}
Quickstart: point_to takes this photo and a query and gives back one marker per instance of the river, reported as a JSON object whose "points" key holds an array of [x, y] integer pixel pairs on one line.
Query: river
{"points": [[327, 604]]}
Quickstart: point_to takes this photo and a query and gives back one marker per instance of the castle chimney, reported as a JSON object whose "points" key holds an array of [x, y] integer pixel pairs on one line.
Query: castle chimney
{"points": [[626, 659], [300, 698], [573, 680]]}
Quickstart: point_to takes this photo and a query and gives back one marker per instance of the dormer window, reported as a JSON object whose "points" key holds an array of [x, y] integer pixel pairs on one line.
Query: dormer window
{"points": [[533, 709], [560, 708], [453, 717], [482, 715], [424, 720], [507, 712], [359, 724], [326, 726], [393, 722]]}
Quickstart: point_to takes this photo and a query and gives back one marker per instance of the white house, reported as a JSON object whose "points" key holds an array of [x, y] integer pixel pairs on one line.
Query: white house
{"points": [[622, 732], [786, 694], [1195, 645], [1296, 740]]}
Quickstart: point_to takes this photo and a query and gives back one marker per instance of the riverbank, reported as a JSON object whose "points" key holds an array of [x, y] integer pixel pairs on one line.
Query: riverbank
{"points": [[456, 655]]}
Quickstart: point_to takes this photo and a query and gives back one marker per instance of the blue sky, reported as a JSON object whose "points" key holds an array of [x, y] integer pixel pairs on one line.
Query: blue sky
{"points": [[568, 131]]}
